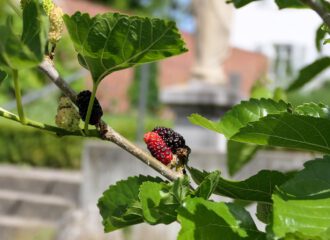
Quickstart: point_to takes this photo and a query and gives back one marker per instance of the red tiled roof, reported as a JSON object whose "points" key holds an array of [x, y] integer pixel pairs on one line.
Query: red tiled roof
{"points": [[176, 70]]}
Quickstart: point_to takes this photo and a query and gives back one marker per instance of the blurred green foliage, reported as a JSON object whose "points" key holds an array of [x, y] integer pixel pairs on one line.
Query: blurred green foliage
{"points": [[317, 95], [23, 145], [153, 102]]}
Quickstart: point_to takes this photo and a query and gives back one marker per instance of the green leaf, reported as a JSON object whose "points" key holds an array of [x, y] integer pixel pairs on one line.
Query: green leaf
{"points": [[288, 130], [314, 110], [158, 205], [301, 205], [247, 112], [257, 188], [110, 42], [319, 37], [28, 51], [290, 4], [13, 53], [204, 122], [300, 236], [264, 212], [239, 154], [261, 91], [208, 185], [241, 3], [202, 219], [326, 41], [313, 182], [310, 71], [119, 206], [3, 76], [35, 28], [160, 201], [240, 115], [181, 188], [266, 122], [280, 94], [308, 217]]}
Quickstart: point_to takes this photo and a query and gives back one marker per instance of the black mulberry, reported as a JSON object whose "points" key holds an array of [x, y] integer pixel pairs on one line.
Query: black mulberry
{"points": [[172, 139], [82, 103]]}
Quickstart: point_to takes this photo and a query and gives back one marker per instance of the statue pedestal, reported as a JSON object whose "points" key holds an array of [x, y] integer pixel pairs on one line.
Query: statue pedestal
{"points": [[208, 100]]}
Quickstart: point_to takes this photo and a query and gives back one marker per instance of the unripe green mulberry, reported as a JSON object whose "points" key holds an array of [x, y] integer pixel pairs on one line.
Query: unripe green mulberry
{"points": [[67, 116], [64, 102], [56, 24], [48, 6]]}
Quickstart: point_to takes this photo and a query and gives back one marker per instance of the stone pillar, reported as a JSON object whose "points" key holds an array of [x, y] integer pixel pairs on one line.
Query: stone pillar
{"points": [[213, 18]]}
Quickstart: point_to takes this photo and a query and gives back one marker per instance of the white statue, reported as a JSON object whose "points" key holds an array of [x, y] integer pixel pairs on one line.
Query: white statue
{"points": [[213, 18]]}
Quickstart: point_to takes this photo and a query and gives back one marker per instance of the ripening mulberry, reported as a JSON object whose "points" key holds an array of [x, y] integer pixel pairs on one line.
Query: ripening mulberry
{"points": [[158, 147], [82, 103], [172, 139]]}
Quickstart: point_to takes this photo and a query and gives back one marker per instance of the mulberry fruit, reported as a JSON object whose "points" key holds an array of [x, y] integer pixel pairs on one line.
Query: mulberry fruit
{"points": [[82, 103], [67, 116], [172, 139], [158, 147]]}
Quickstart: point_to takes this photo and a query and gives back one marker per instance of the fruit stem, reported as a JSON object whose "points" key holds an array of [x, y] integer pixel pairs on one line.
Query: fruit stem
{"points": [[18, 97], [90, 107]]}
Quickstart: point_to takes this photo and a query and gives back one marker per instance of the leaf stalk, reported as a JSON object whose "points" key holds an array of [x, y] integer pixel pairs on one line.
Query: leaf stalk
{"points": [[90, 107], [18, 98]]}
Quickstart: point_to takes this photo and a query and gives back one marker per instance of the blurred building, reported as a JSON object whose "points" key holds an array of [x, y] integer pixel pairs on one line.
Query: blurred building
{"points": [[260, 25], [286, 35]]}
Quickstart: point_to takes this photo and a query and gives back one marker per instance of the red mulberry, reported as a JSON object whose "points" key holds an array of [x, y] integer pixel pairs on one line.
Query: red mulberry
{"points": [[158, 147]]}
